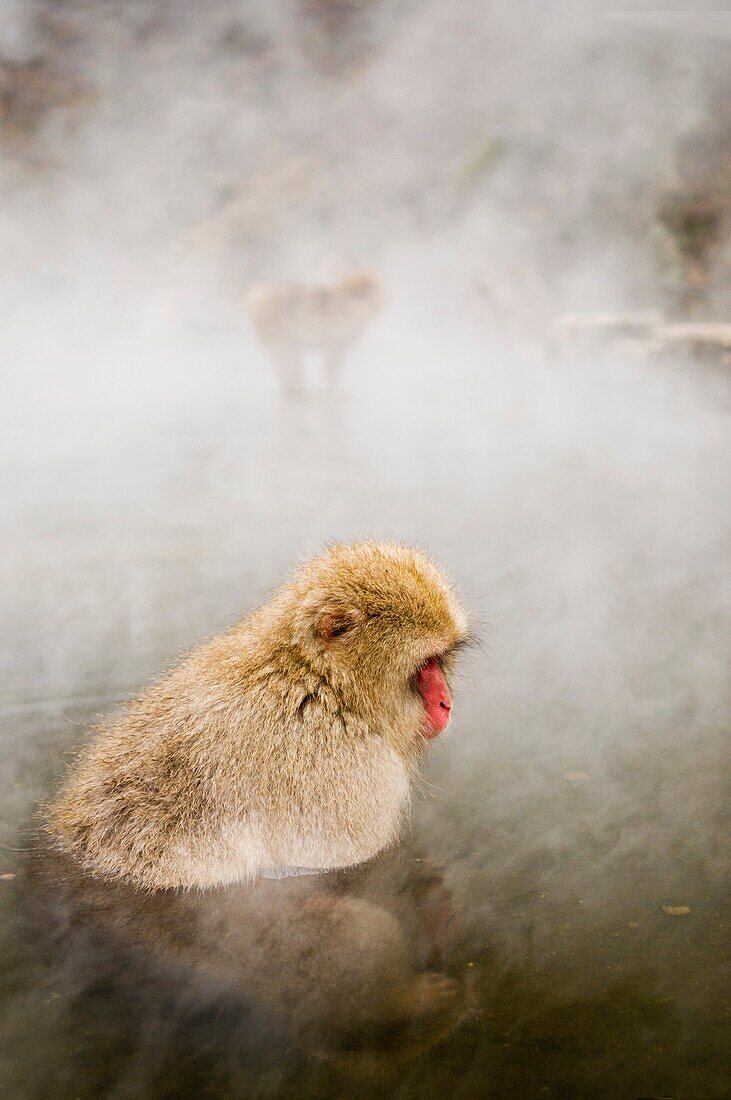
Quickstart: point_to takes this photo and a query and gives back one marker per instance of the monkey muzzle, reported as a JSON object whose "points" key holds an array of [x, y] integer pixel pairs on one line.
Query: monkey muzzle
{"points": [[436, 698]]}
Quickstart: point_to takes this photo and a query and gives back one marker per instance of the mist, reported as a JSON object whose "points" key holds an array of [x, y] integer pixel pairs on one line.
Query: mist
{"points": [[506, 176]]}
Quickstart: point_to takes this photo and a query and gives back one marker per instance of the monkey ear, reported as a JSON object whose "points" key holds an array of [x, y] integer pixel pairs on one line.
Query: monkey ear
{"points": [[336, 623]]}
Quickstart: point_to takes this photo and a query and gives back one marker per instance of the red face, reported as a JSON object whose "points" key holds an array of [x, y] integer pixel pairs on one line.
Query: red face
{"points": [[437, 700]]}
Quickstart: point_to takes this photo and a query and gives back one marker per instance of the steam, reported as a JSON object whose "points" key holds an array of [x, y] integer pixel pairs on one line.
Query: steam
{"points": [[493, 171]]}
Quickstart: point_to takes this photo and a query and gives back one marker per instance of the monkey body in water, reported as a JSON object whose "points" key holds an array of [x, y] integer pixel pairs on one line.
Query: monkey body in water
{"points": [[288, 743]]}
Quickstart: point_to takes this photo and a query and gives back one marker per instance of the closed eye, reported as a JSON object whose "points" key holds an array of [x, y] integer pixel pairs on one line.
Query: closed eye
{"points": [[338, 629], [467, 641]]}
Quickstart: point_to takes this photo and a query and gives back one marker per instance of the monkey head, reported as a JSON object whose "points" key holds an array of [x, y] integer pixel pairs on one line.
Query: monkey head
{"points": [[380, 624], [364, 291]]}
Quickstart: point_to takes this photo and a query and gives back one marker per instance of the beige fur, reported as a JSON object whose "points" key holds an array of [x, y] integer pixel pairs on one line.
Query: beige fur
{"points": [[292, 319], [289, 741]]}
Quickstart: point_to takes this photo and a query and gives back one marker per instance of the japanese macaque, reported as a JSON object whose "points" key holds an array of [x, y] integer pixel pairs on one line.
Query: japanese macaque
{"points": [[293, 319], [286, 745]]}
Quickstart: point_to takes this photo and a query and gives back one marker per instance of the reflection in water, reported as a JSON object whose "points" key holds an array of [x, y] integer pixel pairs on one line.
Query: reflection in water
{"points": [[302, 964]]}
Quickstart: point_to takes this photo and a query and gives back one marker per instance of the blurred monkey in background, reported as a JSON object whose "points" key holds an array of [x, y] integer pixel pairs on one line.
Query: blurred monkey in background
{"points": [[293, 320]]}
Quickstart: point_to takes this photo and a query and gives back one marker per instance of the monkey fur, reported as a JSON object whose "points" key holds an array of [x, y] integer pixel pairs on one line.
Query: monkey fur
{"points": [[292, 319], [288, 742]]}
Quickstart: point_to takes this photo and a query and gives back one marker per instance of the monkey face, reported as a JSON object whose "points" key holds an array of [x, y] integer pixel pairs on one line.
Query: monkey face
{"points": [[385, 624]]}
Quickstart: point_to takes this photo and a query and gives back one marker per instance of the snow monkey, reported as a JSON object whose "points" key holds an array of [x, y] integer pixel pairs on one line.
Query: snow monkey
{"points": [[292, 319], [286, 745]]}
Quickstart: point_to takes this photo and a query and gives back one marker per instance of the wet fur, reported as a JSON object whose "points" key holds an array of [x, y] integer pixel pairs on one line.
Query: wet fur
{"points": [[290, 741]]}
